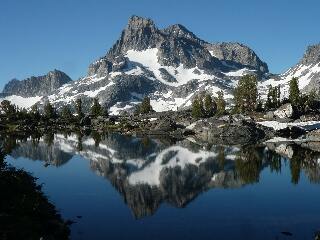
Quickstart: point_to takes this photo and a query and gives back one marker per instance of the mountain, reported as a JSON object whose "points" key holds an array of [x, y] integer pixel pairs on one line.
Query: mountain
{"points": [[37, 86], [238, 55], [29, 91], [307, 70], [171, 66]]}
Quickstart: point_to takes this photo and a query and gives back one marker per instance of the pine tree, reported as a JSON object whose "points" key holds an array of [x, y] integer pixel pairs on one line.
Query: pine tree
{"points": [[96, 109], [209, 105], [246, 94], [49, 111], [66, 113], [221, 103], [79, 108], [273, 97], [22, 113], [8, 109], [105, 112], [269, 104], [259, 107], [197, 108], [311, 100], [35, 113], [278, 96], [145, 106], [294, 92]]}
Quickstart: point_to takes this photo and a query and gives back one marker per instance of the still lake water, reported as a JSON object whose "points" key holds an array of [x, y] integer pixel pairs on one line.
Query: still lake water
{"points": [[120, 187]]}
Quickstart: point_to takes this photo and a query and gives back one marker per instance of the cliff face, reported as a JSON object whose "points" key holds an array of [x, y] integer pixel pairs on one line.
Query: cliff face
{"points": [[37, 86]]}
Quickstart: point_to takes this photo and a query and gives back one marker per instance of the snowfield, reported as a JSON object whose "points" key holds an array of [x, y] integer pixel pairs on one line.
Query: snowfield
{"points": [[22, 102], [310, 125], [303, 72], [149, 59]]}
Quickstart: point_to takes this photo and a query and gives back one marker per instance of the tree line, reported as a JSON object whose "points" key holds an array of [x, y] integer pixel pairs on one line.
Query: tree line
{"points": [[49, 112], [204, 105], [247, 99]]}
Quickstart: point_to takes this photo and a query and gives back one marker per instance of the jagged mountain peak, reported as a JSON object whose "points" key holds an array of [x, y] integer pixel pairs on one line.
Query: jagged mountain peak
{"points": [[180, 31], [139, 34], [235, 53], [312, 55], [37, 86], [140, 22]]}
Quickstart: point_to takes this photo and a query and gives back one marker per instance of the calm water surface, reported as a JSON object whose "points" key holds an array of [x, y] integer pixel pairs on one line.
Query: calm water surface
{"points": [[118, 187]]}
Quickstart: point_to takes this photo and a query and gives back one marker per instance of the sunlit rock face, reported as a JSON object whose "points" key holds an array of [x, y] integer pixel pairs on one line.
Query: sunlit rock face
{"points": [[37, 86], [27, 92]]}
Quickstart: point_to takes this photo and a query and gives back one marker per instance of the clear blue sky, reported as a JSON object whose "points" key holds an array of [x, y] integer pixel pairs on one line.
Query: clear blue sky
{"points": [[37, 36]]}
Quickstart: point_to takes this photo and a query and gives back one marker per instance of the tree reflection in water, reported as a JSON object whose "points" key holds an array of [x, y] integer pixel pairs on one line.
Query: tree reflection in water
{"points": [[25, 212], [148, 172]]}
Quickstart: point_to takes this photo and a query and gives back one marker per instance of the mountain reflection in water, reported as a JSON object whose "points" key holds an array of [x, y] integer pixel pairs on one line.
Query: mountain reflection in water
{"points": [[148, 172]]}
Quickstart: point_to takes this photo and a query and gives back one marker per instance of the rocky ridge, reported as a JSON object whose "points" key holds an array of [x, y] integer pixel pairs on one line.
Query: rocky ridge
{"points": [[307, 70], [37, 86]]}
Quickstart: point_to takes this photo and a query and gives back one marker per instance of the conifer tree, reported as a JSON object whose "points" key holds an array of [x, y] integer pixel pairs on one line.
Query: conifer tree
{"points": [[105, 111], [79, 108], [49, 111], [310, 101], [66, 113], [259, 107], [197, 108], [294, 92], [221, 103], [269, 103], [273, 97], [96, 109], [246, 94], [35, 113], [8, 109], [278, 96], [209, 105], [145, 106]]}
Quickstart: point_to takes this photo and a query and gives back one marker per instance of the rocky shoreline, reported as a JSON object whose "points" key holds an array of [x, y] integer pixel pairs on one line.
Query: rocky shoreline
{"points": [[228, 129]]}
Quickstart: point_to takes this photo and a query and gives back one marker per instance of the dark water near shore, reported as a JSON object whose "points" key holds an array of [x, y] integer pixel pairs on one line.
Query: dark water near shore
{"points": [[118, 187]]}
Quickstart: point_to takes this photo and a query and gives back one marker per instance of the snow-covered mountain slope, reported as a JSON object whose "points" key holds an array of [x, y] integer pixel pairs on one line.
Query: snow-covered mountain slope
{"points": [[307, 71], [27, 92], [169, 65], [21, 102]]}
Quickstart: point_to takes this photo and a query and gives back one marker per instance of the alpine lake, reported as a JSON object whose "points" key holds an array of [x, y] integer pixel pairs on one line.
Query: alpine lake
{"points": [[113, 186]]}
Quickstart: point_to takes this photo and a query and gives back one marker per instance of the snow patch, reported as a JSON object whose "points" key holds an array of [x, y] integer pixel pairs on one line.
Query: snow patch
{"points": [[22, 102], [238, 73], [149, 59], [180, 157], [309, 125]]}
